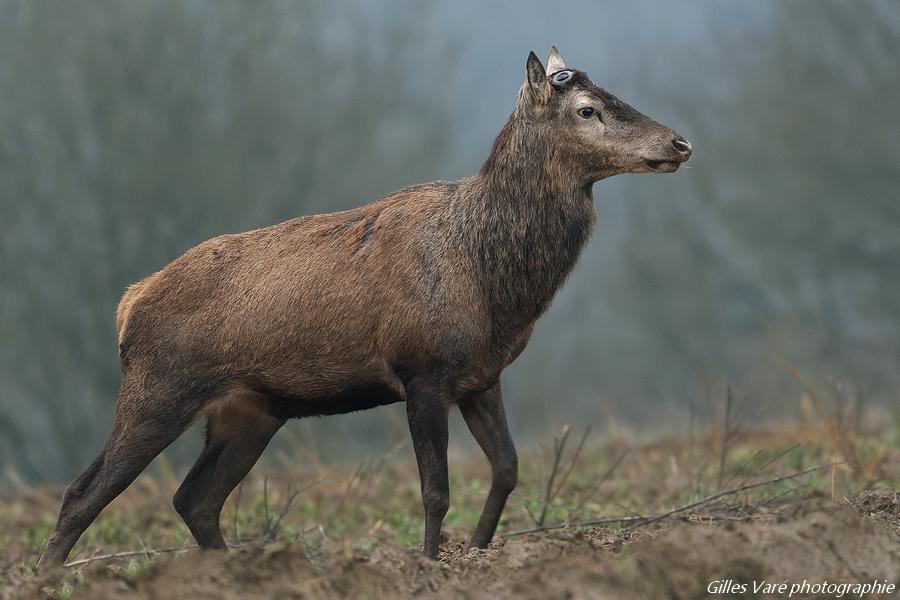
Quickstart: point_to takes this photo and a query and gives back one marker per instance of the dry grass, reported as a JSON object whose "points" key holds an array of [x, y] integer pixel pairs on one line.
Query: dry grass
{"points": [[331, 518]]}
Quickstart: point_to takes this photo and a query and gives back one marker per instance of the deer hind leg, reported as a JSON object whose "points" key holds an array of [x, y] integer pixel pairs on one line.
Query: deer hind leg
{"points": [[238, 430], [142, 429]]}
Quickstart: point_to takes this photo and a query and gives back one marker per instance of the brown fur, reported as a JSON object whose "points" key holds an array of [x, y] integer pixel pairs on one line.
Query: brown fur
{"points": [[425, 295], [123, 311]]}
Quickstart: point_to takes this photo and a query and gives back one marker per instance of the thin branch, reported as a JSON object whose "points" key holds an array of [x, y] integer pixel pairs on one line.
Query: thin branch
{"points": [[602, 521], [640, 522], [147, 552], [766, 501], [269, 528], [726, 437], [596, 485], [270, 532], [780, 455], [634, 513], [769, 500], [184, 548], [356, 475], [698, 475], [85, 561], [742, 466], [558, 445], [774, 459], [568, 471], [552, 492], [730, 492]]}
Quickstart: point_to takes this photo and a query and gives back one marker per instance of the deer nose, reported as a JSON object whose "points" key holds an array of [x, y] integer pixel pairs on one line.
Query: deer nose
{"points": [[682, 146]]}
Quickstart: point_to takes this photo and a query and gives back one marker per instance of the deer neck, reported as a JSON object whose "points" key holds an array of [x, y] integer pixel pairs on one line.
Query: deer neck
{"points": [[527, 223]]}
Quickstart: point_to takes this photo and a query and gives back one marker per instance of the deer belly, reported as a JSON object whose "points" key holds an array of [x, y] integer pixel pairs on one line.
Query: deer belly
{"points": [[331, 389], [356, 397]]}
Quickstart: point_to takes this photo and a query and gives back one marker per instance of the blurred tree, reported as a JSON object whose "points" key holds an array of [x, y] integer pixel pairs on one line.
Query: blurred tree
{"points": [[785, 245], [799, 192], [130, 131]]}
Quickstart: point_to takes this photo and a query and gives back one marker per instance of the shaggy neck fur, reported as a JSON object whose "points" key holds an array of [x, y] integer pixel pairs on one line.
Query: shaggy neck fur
{"points": [[526, 220]]}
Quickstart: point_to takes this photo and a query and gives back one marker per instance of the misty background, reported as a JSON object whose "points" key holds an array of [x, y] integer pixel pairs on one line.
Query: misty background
{"points": [[130, 132]]}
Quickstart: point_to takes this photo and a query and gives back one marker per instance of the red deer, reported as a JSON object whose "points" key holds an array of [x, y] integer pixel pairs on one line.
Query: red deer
{"points": [[422, 297]]}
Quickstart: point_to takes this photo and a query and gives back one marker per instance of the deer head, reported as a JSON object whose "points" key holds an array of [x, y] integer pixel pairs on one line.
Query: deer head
{"points": [[589, 133]]}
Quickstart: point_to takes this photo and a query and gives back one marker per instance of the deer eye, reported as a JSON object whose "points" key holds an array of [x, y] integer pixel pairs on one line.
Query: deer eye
{"points": [[587, 112]]}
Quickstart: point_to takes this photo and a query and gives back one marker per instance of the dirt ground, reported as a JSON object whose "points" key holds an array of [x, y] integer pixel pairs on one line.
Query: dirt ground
{"points": [[791, 536], [814, 539]]}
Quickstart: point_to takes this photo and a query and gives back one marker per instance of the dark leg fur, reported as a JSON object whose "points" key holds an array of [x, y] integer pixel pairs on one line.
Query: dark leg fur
{"points": [[137, 437], [427, 410], [487, 421], [234, 442]]}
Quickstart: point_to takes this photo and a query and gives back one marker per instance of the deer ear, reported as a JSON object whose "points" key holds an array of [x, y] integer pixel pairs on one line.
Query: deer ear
{"points": [[555, 61], [535, 90]]}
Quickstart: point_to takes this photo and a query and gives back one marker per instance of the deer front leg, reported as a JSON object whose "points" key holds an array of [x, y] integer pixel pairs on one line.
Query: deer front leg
{"points": [[426, 410], [487, 421]]}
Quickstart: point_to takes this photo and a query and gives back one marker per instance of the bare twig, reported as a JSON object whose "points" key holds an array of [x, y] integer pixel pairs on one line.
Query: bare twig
{"points": [[725, 438], [596, 485], [634, 513], [729, 492], [780, 455], [357, 473], [270, 527], [552, 489], [354, 477], [773, 460], [766, 501], [590, 522], [697, 477], [711, 518], [85, 561], [558, 445], [742, 466], [832, 423], [187, 547], [129, 553], [270, 532], [769, 500], [365, 471], [568, 471], [640, 522]]}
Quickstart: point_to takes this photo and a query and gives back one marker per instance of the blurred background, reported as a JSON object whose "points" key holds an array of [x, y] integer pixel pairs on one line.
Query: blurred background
{"points": [[130, 132]]}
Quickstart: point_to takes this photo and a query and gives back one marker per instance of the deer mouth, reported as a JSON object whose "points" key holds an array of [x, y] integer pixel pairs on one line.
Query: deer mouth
{"points": [[662, 166], [649, 165]]}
